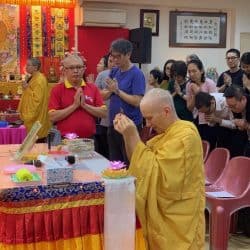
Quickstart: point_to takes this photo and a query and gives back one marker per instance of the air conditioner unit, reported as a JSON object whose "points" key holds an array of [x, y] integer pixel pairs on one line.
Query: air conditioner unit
{"points": [[104, 17]]}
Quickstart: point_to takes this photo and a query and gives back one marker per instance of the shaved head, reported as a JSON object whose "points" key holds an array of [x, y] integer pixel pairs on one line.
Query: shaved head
{"points": [[158, 109], [70, 59], [158, 98]]}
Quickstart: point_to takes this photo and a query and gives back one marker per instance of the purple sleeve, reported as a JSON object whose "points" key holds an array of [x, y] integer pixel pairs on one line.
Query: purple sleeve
{"points": [[139, 83]]}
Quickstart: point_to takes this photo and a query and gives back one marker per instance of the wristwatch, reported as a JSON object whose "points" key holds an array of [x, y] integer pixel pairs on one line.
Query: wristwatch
{"points": [[182, 94]]}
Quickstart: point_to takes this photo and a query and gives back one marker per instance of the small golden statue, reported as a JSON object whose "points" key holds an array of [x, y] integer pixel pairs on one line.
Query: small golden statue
{"points": [[52, 77]]}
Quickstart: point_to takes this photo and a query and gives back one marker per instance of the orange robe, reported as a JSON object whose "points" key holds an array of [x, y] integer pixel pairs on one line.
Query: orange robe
{"points": [[170, 196], [33, 105]]}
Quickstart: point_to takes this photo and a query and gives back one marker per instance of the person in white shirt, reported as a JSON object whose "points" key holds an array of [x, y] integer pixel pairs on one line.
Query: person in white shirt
{"points": [[217, 114]]}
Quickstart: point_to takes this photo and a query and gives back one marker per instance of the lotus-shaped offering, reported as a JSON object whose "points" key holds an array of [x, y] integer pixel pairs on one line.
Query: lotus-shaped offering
{"points": [[116, 165], [71, 136], [116, 170]]}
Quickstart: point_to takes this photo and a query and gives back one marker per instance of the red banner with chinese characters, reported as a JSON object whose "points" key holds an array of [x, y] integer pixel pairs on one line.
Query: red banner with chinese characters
{"points": [[51, 3], [55, 37]]}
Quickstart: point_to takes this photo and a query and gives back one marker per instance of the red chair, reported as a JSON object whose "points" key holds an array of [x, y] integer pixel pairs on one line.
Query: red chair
{"points": [[215, 163], [235, 179], [206, 148]]}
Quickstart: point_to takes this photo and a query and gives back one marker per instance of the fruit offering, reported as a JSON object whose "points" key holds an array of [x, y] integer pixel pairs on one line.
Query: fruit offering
{"points": [[24, 174]]}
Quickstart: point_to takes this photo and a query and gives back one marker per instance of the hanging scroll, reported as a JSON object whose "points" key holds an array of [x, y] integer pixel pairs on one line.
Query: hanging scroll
{"points": [[37, 36]]}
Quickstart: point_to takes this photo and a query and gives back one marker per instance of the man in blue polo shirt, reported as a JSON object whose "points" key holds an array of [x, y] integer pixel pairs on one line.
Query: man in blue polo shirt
{"points": [[126, 84]]}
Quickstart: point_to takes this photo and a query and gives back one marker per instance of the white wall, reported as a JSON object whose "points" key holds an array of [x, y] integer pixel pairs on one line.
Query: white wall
{"points": [[238, 21]]}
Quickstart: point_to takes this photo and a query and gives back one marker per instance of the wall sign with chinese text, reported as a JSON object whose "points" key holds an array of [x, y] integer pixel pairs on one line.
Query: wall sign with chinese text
{"points": [[197, 29]]}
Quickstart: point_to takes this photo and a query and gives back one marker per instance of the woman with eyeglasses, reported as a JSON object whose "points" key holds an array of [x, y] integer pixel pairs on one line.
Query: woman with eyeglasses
{"points": [[166, 74]]}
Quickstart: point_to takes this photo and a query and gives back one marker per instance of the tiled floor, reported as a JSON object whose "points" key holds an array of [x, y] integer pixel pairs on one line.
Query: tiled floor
{"points": [[236, 242]]}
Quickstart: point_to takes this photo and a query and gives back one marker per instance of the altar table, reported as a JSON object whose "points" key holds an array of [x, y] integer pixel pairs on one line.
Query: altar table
{"points": [[12, 87], [12, 135], [8, 104], [65, 216]]}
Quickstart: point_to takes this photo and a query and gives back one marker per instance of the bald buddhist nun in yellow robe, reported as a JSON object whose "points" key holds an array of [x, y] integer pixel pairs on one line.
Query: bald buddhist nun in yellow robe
{"points": [[170, 196], [33, 105]]}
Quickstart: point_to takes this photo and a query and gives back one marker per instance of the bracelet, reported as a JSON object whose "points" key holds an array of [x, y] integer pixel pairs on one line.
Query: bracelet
{"points": [[181, 95]]}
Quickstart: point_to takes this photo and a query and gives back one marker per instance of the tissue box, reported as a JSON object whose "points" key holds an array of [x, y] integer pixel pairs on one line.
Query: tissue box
{"points": [[59, 174], [57, 170]]}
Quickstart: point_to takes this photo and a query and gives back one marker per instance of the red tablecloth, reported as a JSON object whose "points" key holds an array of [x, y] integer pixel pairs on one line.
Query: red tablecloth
{"points": [[10, 135], [66, 216], [8, 104]]}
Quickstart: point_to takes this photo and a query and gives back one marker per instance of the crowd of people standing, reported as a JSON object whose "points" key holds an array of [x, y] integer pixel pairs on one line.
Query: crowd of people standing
{"points": [[157, 133]]}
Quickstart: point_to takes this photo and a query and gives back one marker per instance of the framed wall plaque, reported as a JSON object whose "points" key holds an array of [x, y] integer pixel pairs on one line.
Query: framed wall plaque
{"points": [[197, 29], [150, 19]]}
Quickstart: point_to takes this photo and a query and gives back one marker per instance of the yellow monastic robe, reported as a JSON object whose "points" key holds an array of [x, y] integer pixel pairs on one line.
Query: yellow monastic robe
{"points": [[170, 196], [33, 105]]}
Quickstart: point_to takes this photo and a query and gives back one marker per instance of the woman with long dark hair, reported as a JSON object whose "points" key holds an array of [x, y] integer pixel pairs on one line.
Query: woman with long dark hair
{"points": [[166, 73], [198, 82], [177, 87]]}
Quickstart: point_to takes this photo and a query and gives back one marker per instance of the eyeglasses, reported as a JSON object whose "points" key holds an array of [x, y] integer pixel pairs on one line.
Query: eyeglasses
{"points": [[231, 58], [116, 56], [78, 67]]}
